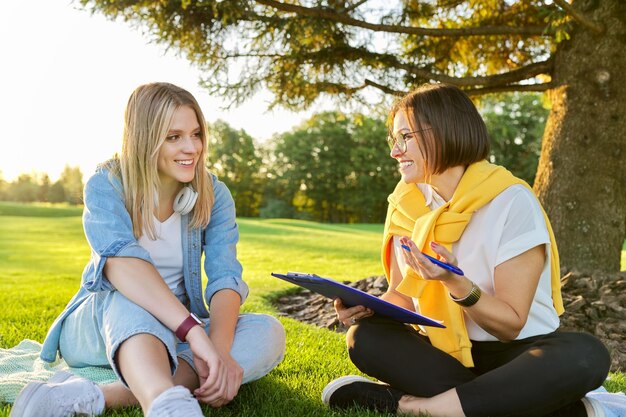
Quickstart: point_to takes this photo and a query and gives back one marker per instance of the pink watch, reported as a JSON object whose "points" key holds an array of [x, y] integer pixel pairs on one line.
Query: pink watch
{"points": [[186, 325]]}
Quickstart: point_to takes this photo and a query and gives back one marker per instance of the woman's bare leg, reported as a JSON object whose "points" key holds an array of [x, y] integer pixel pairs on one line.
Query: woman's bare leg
{"points": [[446, 404], [116, 395], [144, 362]]}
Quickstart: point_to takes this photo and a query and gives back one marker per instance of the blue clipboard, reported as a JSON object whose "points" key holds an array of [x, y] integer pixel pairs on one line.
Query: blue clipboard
{"points": [[354, 297]]}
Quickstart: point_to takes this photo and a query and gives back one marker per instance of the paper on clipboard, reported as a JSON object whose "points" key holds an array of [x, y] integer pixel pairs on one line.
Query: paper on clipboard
{"points": [[351, 297]]}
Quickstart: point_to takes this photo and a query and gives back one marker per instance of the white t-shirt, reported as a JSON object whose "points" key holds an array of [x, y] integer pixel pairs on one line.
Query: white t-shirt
{"points": [[167, 251], [507, 226]]}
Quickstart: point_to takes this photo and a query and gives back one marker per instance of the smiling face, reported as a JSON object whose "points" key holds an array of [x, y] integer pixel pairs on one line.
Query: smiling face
{"points": [[180, 152], [412, 166]]}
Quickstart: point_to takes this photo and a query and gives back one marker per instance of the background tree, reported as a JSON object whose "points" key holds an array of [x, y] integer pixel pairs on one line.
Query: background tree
{"points": [[302, 49], [515, 123], [374, 174], [43, 193], [57, 193], [24, 188], [233, 157], [317, 160], [278, 192], [3, 187], [72, 180], [32, 187], [334, 167]]}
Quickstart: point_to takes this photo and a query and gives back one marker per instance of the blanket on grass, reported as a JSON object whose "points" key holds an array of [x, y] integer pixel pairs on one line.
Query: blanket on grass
{"points": [[21, 364]]}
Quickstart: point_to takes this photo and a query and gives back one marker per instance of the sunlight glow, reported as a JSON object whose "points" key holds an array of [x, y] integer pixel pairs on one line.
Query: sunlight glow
{"points": [[66, 77]]}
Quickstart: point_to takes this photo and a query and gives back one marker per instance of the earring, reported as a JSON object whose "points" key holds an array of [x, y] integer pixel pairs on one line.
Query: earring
{"points": [[185, 200]]}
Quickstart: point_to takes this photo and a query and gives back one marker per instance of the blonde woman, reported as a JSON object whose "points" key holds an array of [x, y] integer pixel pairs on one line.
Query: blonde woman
{"points": [[149, 216]]}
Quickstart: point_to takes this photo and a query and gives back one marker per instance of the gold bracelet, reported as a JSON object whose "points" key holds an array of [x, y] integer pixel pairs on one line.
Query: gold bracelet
{"points": [[470, 299]]}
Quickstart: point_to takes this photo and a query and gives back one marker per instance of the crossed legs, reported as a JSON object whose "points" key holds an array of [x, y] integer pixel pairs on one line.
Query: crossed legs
{"points": [[531, 377]]}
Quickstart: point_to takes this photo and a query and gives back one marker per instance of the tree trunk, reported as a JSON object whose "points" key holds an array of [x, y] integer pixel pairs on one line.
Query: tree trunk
{"points": [[581, 178]]}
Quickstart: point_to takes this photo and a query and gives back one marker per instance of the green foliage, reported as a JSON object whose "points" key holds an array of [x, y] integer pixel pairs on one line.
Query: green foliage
{"points": [[24, 188], [56, 193], [475, 55], [334, 167], [3, 187], [43, 193], [515, 123], [303, 49], [275, 208], [324, 167], [375, 172], [366, 51], [234, 158], [37, 187], [72, 180]]}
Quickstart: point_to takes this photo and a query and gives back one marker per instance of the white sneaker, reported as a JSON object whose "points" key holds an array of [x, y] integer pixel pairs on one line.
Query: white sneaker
{"points": [[600, 403], [63, 395], [175, 402], [353, 390], [335, 384]]}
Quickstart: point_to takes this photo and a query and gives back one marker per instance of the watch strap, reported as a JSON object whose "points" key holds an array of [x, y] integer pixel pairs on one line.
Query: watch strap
{"points": [[186, 325]]}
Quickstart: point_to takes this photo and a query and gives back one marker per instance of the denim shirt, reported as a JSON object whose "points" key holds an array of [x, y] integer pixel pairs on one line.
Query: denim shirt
{"points": [[108, 228]]}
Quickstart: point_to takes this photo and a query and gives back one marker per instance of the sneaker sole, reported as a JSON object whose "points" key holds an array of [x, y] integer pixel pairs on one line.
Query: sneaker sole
{"points": [[21, 405], [593, 407], [333, 386]]}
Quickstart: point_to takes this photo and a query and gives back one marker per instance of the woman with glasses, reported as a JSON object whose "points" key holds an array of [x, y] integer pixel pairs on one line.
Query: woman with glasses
{"points": [[498, 293], [150, 214]]}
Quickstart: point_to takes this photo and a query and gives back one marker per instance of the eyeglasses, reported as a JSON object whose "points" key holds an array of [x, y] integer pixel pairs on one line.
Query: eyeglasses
{"points": [[401, 139]]}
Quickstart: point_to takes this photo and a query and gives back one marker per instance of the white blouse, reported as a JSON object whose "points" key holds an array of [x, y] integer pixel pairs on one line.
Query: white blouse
{"points": [[167, 251], [507, 226]]}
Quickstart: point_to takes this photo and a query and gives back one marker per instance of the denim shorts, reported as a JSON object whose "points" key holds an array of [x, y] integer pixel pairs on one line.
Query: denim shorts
{"points": [[93, 332]]}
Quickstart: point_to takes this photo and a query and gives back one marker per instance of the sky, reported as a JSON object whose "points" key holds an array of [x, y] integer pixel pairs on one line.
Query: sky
{"points": [[66, 76]]}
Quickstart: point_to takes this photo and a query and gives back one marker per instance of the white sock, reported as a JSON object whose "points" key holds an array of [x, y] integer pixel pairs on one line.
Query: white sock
{"points": [[99, 402], [592, 407]]}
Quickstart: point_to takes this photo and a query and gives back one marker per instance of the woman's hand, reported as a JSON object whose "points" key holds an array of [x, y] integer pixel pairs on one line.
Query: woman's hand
{"points": [[224, 315], [234, 375], [349, 315], [211, 368], [423, 266]]}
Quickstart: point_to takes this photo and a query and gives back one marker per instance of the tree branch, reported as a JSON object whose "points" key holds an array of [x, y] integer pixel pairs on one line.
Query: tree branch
{"points": [[329, 14], [384, 88], [251, 55], [523, 73], [594, 26], [510, 87], [472, 91], [392, 61], [354, 6]]}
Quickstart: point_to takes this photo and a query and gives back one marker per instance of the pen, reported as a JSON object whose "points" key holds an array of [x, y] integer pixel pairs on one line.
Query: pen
{"points": [[436, 261]]}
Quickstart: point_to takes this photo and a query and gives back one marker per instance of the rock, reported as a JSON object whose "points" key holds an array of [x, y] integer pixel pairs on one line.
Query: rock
{"points": [[594, 304]]}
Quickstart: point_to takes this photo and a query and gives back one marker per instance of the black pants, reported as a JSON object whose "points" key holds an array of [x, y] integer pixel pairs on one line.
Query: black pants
{"points": [[540, 376]]}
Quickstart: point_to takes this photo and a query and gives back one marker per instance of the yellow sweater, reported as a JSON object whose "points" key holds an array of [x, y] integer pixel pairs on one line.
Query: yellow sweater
{"points": [[408, 215]]}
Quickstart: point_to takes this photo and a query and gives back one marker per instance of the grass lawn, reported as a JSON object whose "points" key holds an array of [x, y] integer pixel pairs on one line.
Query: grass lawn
{"points": [[43, 252]]}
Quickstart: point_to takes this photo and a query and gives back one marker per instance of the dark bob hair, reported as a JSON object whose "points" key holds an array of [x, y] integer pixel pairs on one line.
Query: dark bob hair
{"points": [[456, 133]]}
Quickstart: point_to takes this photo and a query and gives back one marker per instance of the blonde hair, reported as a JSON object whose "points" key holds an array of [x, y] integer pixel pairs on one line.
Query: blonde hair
{"points": [[147, 119]]}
